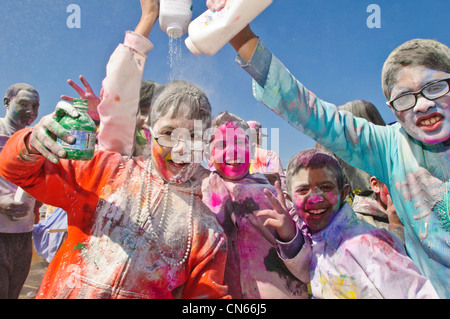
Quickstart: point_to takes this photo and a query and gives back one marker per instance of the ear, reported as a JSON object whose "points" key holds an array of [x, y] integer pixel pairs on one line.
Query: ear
{"points": [[375, 185], [6, 101], [345, 191]]}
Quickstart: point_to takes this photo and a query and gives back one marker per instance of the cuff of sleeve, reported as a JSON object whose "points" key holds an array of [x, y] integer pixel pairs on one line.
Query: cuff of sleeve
{"points": [[138, 42], [289, 250], [259, 64]]}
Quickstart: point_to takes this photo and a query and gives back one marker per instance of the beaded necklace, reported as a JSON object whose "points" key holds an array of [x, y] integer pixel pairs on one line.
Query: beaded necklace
{"points": [[142, 212]]}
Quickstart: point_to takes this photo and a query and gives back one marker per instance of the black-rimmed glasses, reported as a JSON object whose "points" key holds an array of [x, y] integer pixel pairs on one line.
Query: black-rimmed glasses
{"points": [[431, 91]]}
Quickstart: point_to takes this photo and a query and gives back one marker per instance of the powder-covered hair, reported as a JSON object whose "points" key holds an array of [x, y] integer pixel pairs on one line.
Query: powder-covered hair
{"points": [[223, 119], [14, 89], [226, 117], [314, 158], [173, 94], [418, 52], [148, 90]]}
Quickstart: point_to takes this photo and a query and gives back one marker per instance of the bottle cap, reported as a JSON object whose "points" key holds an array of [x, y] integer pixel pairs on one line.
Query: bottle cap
{"points": [[191, 46], [174, 31]]}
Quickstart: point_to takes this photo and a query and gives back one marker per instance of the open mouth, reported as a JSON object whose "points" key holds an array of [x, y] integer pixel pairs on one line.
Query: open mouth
{"points": [[430, 123], [178, 164], [316, 212]]}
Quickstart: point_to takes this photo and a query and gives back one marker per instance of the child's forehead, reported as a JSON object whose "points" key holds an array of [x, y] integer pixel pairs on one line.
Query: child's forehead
{"points": [[228, 131], [315, 174]]}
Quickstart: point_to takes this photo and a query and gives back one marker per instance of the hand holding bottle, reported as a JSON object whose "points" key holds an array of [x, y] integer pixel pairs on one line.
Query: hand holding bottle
{"points": [[43, 138]]}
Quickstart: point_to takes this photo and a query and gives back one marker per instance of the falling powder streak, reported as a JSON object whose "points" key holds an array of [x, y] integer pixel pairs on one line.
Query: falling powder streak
{"points": [[174, 58]]}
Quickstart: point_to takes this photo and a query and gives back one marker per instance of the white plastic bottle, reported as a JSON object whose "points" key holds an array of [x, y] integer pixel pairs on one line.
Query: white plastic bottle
{"points": [[212, 30], [175, 16]]}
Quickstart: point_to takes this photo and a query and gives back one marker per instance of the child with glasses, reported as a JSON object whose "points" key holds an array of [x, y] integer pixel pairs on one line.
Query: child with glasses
{"points": [[410, 157], [253, 269], [137, 227], [340, 255]]}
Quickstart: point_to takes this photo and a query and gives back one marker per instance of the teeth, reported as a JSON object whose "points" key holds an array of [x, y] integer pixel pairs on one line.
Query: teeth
{"points": [[430, 121], [316, 211]]}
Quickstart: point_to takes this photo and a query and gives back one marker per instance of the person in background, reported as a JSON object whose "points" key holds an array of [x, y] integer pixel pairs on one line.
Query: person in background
{"points": [[265, 161], [16, 218], [378, 209]]}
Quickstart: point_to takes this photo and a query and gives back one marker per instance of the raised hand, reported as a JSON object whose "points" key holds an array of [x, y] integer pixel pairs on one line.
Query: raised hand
{"points": [[279, 217], [88, 94]]}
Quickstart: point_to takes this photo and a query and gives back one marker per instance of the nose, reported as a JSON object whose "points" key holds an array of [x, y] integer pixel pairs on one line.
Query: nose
{"points": [[423, 104], [315, 196]]}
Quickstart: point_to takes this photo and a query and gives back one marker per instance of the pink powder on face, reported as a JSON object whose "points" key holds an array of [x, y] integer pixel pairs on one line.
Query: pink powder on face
{"points": [[333, 198], [315, 198], [231, 151]]}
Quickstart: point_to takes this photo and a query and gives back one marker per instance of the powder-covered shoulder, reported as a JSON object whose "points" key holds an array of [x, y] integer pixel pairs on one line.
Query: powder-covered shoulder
{"points": [[374, 241]]}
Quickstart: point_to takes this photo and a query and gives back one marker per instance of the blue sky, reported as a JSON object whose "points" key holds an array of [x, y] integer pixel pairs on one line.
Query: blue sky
{"points": [[326, 44]]}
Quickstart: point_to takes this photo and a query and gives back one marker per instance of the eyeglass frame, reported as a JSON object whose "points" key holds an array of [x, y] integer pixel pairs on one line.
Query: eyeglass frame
{"points": [[177, 141], [420, 92]]}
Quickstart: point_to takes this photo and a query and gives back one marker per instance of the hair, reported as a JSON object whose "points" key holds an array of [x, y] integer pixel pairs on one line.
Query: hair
{"points": [[314, 158], [176, 93], [418, 52], [146, 93], [14, 89], [226, 117], [223, 119], [363, 109], [358, 179]]}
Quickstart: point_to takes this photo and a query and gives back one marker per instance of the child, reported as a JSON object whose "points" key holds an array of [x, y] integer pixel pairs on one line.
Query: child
{"points": [[369, 196], [253, 269], [342, 256], [410, 157], [137, 228]]}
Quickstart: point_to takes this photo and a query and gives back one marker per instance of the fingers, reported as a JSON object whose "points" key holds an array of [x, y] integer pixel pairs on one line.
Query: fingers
{"points": [[75, 86], [45, 144], [86, 84], [67, 98], [280, 195], [63, 108], [275, 201]]}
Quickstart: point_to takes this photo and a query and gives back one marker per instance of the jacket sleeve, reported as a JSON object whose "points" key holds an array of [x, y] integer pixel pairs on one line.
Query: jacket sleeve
{"points": [[349, 137], [119, 107], [71, 185]]}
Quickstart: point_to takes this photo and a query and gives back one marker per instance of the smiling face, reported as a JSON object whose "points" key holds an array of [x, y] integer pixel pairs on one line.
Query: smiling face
{"points": [[316, 196], [230, 152], [428, 121], [175, 164]]}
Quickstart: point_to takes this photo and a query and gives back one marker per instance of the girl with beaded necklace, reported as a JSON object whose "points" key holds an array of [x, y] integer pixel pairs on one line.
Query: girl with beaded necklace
{"points": [[137, 226]]}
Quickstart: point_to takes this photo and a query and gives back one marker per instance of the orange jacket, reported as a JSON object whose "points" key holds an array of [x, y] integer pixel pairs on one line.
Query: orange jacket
{"points": [[102, 256]]}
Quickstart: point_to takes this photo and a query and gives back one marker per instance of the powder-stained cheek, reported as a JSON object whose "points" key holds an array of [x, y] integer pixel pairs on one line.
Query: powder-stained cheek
{"points": [[333, 198]]}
